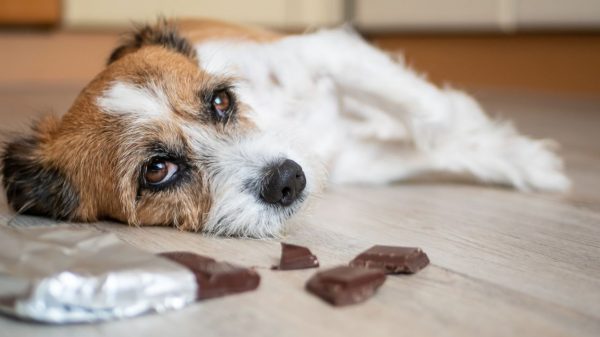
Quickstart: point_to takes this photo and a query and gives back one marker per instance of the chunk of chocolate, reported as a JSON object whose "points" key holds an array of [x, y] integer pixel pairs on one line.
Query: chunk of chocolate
{"points": [[392, 259], [346, 285], [296, 257], [187, 259], [215, 279]]}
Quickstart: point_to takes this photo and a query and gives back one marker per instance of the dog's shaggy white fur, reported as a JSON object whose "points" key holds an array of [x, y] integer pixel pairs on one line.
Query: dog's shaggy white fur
{"points": [[344, 105], [372, 119]]}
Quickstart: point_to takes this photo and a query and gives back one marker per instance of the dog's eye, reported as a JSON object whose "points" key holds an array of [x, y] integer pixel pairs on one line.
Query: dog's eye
{"points": [[159, 171], [221, 103]]}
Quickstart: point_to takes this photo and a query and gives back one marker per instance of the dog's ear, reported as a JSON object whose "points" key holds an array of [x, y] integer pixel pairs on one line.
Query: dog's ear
{"points": [[164, 33], [34, 185]]}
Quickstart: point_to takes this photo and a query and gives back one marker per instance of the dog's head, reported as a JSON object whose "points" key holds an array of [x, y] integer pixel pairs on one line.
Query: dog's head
{"points": [[155, 140]]}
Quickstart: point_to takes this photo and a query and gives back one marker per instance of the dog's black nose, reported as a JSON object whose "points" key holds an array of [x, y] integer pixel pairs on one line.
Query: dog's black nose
{"points": [[283, 183]]}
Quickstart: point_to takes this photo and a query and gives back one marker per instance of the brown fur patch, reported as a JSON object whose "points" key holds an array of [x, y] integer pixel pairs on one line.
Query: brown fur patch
{"points": [[88, 164], [164, 33], [34, 184], [199, 30]]}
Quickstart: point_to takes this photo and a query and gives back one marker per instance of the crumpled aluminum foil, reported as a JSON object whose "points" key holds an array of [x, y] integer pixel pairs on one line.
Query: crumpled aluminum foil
{"points": [[60, 275]]}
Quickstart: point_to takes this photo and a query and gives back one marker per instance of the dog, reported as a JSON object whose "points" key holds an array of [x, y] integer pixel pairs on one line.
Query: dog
{"points": [[214, 127]]}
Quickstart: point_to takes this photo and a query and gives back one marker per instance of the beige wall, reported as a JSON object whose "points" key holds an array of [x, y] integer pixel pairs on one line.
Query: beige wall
{"points": [[276, 13]]}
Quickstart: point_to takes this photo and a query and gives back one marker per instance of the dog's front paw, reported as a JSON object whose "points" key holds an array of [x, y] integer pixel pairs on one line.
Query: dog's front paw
{"points": [[500, 155], [540, 167]]}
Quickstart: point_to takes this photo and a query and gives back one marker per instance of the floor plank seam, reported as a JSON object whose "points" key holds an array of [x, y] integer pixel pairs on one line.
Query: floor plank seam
{"points": [[530, 298]]}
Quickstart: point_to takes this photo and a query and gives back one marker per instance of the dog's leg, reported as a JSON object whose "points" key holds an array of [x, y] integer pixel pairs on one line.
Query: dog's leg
{"points": [[448, 131]]}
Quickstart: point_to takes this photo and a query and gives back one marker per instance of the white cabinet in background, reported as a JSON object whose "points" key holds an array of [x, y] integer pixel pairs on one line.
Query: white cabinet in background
{"points": [[426, 14], [465, 15], [534, 14]]}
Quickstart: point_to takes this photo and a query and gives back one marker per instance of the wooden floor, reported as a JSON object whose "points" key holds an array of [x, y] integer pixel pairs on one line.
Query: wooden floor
{"points": [[502, 263]]}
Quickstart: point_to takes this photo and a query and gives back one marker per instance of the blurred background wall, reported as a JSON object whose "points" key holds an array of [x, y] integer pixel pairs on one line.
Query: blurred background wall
{"points": [[539, 45], [373, 15]]}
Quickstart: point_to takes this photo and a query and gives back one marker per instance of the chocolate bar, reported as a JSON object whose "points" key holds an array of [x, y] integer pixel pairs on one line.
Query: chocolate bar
{"points": [[215, 279], [296, 257], [392, 259], [346, 285]]}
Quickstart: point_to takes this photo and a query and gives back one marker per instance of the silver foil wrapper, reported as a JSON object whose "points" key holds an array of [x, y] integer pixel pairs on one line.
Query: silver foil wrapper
{"points": [[60, 275]]}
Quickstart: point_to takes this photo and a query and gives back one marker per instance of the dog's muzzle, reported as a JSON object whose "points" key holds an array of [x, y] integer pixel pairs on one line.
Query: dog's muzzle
{"points": [[283, 183]]}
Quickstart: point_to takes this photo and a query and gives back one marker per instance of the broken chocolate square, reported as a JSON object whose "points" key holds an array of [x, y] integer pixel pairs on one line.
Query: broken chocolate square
{"points": [[187, 259], [392, 259], [296, 257], [346, 285], [215, 278]]}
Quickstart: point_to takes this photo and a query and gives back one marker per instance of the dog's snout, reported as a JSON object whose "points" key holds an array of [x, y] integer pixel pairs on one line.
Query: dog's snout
{"points": [[283, 183]]}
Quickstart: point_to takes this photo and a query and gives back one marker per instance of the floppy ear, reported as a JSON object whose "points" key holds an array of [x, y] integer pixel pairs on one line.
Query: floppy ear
{"points": [[164, 33], [34, 185]]}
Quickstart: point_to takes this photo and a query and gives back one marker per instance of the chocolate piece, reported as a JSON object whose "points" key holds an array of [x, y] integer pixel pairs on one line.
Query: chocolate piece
{"points": [[346, 285], [296, 257], [392, 260], [187, 259], [215, 278]]}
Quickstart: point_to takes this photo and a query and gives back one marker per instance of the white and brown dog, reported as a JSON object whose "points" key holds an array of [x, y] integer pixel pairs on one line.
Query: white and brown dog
{"points": [[229, 130]]}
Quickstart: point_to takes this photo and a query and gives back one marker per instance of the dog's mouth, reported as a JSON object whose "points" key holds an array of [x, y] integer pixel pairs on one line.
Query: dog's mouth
{"points": [[267, 201], [253, 219]]}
